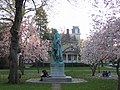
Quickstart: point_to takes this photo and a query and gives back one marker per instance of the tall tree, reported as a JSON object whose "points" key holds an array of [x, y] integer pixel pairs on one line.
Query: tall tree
{"points": [[41, 22], [90, 53], [104, 45], [111, 35], [18, 9], [13, 61]]}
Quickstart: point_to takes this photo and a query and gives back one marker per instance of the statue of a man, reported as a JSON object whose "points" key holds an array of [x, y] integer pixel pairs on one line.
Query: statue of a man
{"points": [[56, 46]]}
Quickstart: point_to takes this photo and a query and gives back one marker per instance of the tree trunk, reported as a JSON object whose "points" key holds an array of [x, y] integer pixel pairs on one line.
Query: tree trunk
{"points": [[38, 69], [93, 68], [99, 65], [37, 65], [99, 69], [21, 64], [118, 88], [93, 72], [102, 63], [13, 61], [118, 73]]}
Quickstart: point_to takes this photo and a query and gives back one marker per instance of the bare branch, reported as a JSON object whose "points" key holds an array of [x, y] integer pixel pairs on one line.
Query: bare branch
{"points": [[8, 19], [10, 6], [44, 2], [34, 4], [4, 9], [29, 9]]}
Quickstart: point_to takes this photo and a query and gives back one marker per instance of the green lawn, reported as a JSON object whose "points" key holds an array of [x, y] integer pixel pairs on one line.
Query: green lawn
{"points": [[68, 68], [94, 83], [25, 86]]}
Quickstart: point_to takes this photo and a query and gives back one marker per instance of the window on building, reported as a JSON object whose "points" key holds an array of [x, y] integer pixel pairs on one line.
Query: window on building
{"points": [[79, 58], [75, 57], [78, 31], [72, 49], [73, 31], [64, 56], [69, 57]]}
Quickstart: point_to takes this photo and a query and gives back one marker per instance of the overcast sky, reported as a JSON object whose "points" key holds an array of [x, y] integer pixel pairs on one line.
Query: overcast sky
{"points": [[65, 15]]}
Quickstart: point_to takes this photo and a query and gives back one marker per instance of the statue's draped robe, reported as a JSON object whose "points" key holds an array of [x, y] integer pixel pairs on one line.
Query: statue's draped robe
{"points": [[56, 47]]}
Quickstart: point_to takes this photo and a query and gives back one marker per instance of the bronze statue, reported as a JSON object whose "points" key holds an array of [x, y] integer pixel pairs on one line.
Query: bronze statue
{"points": [[56, 47]]}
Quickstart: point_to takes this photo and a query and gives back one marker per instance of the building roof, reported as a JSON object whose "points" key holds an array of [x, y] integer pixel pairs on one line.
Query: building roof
{"points": [[69, 43]]}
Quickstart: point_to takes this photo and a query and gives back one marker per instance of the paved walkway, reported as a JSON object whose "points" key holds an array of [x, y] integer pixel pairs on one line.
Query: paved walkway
{"points": [[37, 80], [56, 86]]}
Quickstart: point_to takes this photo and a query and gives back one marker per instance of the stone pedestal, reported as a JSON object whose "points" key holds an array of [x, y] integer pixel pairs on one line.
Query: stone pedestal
{"points": [[57, 70], [57, 74], [57, 79]]}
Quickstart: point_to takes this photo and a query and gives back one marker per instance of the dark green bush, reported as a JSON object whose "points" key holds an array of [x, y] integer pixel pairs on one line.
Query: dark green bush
{"points": [[3, 63]]}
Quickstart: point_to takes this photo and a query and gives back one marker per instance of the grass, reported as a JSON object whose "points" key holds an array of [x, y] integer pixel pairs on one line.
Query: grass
{"points": [[93, 84], [76, 72], [25, 86]]}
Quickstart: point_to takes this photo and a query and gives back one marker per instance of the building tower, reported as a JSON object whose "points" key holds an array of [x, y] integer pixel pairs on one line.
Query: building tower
{"points": [[76, 33]]}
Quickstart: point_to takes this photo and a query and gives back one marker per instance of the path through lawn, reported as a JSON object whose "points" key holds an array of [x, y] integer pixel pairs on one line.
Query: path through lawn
{"points": [[56, 86]]}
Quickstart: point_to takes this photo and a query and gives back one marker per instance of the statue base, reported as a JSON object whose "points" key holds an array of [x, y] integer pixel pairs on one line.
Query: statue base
{"points": [[57, 69], [57, 79], [57, 73]]}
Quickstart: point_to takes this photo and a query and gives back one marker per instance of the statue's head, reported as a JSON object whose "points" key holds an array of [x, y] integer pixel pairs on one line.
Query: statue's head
{"points": [[54, 30]]}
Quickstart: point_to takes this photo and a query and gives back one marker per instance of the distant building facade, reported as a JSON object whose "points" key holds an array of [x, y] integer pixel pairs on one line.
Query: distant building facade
{"points": [[71, 45]]}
